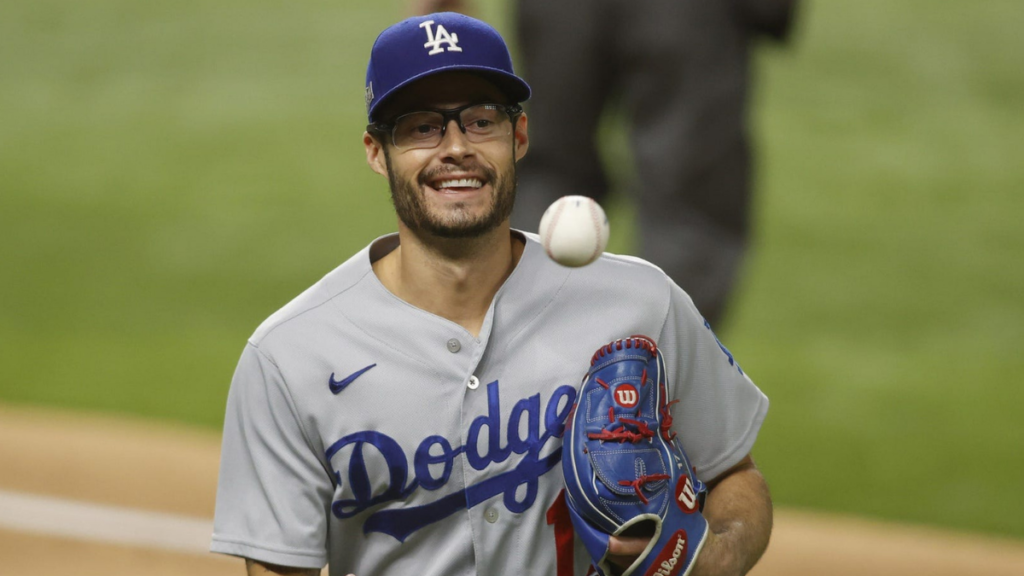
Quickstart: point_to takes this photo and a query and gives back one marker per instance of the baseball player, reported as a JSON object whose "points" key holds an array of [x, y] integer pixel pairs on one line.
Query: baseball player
{"points": [[405, 414]]}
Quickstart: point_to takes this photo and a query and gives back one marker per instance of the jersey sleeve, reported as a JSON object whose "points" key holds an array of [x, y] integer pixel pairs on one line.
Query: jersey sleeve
{"points": [[273, 494], [720, 410]]}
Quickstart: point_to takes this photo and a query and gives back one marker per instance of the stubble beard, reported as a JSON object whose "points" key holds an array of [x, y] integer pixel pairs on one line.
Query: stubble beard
{"points": [[408, 199]]}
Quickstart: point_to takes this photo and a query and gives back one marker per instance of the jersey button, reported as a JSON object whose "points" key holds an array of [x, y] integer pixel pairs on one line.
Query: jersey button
{"points": [[454, 346], [473, 383], [491, 515]]}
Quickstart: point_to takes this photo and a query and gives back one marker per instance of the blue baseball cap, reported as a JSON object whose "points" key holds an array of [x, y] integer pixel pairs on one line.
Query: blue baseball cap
{"points": [[442, 42]]}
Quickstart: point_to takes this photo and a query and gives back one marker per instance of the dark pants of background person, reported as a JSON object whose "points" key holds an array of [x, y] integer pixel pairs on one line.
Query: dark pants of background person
{"points": [[680, 68]]}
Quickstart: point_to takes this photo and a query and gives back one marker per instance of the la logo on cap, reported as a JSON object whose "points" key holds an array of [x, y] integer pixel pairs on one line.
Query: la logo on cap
{"points": [[440, 36]]}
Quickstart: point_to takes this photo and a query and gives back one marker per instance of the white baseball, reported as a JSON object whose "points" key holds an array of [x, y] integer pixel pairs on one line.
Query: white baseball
{"points": [[574, 231]]}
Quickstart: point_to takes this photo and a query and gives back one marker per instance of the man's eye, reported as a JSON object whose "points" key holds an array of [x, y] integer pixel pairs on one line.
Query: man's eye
{"points": [[420, 131]]}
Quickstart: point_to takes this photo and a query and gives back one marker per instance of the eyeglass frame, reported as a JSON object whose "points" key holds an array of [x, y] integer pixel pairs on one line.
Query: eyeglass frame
{"points": [[447, 115]]}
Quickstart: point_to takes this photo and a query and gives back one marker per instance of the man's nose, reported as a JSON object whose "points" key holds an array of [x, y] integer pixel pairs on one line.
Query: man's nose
{"points": [[454, 142]]}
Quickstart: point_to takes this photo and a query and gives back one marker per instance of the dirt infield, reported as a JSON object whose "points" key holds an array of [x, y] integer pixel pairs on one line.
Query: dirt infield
{"points": [[143, 466]]}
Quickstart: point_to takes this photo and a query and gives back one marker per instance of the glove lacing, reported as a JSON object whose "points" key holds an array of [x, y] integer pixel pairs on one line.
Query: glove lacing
{"points": [[640, 431], [630, 430]]}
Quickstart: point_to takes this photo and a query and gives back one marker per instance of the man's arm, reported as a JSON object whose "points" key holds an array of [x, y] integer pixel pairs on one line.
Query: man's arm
{"points": [[739, 514]]}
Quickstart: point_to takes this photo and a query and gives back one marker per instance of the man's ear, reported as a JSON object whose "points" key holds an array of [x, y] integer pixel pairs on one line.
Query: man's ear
{"points": [[522, 138], [375, 154]]}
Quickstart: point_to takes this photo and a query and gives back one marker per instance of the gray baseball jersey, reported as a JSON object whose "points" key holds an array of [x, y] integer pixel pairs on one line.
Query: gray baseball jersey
{"points": [[379, 438]]}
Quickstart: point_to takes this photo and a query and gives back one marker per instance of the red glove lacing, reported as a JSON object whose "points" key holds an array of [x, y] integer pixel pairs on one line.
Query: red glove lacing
{"points": [[639, 482]]}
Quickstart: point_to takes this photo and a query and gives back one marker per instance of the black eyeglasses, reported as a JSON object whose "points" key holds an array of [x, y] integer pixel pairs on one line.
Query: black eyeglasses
{"points": [[426, 128]]}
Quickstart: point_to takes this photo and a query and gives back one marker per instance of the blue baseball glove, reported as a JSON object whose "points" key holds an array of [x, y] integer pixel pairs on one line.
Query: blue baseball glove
{"points": [[625, 470]]}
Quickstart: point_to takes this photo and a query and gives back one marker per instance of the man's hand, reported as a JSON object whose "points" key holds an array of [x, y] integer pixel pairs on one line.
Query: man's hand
{"points": [[624, 550], [739, 514]]}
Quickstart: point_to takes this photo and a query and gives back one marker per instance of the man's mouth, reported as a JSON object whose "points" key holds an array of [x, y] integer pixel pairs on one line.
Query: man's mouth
{"points": [[457, 184]]}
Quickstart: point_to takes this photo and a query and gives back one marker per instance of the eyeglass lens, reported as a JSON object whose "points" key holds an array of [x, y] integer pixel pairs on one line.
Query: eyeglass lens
{"points": [[426, 129]]}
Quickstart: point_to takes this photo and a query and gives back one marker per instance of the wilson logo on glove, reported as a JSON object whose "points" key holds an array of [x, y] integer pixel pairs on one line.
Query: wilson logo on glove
{"points": [[668, 562], [626, 396], [686, 497]]}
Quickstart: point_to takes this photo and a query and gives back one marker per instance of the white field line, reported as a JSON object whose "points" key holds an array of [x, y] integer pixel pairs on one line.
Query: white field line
{"points": [[50, 516]]}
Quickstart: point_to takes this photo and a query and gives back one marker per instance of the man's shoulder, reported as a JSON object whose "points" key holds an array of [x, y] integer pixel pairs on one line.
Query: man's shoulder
{"points": [[616, 278], [314, 305], [635, 269], [610, 278], [632, 265], [624, 275]]}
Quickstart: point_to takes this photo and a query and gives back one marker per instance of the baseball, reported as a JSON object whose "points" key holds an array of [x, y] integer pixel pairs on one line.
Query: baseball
{"points": [[574, 231]]}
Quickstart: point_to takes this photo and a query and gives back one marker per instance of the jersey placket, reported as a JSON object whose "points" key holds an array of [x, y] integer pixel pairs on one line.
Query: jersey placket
{"points": [[479, 405]]}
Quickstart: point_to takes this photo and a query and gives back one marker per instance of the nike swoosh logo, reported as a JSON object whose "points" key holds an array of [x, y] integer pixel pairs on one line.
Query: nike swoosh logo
{"points": [[339, 385]]}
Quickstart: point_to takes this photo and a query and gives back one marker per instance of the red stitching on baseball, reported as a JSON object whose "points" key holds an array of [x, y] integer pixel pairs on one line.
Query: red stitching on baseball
{"points": [[597, 229]]}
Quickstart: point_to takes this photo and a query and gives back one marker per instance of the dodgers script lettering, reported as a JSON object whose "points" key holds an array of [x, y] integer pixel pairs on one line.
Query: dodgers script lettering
{"points": [[438, 450]]}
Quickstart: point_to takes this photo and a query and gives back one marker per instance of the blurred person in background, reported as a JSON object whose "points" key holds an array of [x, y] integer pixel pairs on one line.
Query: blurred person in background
{"points": [[681, 71]]}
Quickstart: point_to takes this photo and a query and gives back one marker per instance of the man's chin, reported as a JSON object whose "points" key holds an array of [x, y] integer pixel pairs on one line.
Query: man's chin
{"points": [[459, 230], [458, 222], [457, 219]]}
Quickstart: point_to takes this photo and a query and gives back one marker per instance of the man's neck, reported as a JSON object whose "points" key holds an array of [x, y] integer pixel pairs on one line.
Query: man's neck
{"points": [[452, 278]]}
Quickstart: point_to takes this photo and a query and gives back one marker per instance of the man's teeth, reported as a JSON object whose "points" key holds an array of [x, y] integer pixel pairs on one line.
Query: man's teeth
{"points": [[461, 183]]}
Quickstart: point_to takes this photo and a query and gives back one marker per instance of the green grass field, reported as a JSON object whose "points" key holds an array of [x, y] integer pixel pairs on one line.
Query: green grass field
{"points": [[172, 173]]}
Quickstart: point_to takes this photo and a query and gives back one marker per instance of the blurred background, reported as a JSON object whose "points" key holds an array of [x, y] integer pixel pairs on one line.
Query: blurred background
{"points": [[172, 173]]}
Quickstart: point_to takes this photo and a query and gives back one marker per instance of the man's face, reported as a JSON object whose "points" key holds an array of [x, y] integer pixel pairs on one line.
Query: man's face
{"points": [[458, 189]]}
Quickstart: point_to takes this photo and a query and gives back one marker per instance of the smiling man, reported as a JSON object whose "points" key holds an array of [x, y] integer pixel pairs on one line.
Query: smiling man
{"points": [[472, 191], [449, 146], [405, 414]]}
